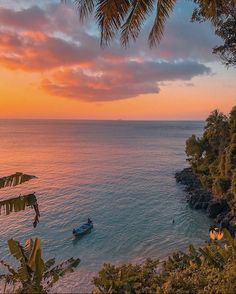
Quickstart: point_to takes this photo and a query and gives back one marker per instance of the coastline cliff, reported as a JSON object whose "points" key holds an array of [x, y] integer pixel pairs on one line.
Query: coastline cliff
{"points": [[211, 178]]}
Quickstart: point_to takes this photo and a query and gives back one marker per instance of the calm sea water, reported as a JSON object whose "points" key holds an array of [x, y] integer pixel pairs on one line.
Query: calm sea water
{"points": [[119, 173]]}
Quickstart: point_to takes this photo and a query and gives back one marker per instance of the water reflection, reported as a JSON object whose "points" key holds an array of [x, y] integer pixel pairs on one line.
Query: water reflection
{"points": [[76, 239], [14, 180], [20, 203]]}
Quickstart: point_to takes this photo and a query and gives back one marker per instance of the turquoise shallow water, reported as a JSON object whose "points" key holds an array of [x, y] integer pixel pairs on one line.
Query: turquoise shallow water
{"points": [[119, 173]]}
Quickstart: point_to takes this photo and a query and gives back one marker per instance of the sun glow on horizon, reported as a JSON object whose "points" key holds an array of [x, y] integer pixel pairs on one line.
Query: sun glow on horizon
{"points": [[46, 75]]}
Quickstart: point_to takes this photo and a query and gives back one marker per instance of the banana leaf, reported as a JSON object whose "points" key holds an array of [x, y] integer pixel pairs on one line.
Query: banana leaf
{"points": [[32, 258], [33, 274], [39, 268], [17, 251], [15, 179]]}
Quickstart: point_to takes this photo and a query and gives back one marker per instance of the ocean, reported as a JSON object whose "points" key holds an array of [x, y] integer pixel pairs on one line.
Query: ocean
{"points": [[118, 173]]}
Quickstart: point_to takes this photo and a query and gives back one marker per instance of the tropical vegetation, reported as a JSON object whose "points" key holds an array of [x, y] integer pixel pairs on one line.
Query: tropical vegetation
{"points": [[34, 275], [207, 270], [126, 18], [213, 156], [224, 22]]}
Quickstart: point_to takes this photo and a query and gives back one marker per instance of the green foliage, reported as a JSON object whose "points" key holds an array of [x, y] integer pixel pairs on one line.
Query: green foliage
{"points": [[232, 120], [128, 278], [221, 186], [213, 156], [210, 269], [222, 14], [34, 275], [206, 181], [226, 29], [194, 148]]}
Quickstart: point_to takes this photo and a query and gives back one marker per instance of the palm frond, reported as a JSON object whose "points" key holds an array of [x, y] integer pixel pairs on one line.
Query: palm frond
{"points": [[84, 8], [110, 15], [164, 9], [131, 28]]}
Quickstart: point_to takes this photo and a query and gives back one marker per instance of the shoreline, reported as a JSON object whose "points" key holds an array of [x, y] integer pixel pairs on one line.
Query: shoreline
{"points": [[200, 198]]}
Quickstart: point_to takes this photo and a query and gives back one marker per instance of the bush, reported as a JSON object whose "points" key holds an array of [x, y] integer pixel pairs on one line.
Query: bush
{"points": [[221, 186], [128, 278], [206, 181], [207, 270]]}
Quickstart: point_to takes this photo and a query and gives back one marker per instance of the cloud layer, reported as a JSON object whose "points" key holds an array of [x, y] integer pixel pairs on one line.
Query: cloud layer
{"points": [[120, 80], [50, 40]]}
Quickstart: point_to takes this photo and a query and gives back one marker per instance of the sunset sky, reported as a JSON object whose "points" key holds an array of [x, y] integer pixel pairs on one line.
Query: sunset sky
{"points": [[52, 66]]}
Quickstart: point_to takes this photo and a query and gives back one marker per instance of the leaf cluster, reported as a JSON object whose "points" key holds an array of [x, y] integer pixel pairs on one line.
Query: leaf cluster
{"points": [[213, 156], [208, 269], [34, 275]]}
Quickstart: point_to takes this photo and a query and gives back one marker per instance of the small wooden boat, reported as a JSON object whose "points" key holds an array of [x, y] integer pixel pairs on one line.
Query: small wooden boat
{"points": [[82, 230]]}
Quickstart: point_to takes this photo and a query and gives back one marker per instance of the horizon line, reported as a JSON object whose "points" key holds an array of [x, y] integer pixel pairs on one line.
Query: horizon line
{"points": [[91, 119]]}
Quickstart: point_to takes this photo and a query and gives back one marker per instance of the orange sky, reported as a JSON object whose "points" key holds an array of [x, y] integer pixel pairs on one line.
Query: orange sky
{"points": [[44, 76], [22, 97]]}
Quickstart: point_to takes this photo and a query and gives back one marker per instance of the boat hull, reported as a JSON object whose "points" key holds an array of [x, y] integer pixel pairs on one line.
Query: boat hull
{"points": [[82, 230]]}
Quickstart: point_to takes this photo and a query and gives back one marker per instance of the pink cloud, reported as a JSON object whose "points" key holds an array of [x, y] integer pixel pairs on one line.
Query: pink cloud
{"points": [[50, 39], [36, 51], [121, 81]]}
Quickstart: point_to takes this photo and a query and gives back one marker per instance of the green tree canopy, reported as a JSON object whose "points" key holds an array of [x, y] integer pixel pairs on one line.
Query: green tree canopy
{"points": [[213, 156]]}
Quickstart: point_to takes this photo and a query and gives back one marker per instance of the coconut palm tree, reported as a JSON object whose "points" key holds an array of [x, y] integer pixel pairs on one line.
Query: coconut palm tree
{"points": [[126, 17]]}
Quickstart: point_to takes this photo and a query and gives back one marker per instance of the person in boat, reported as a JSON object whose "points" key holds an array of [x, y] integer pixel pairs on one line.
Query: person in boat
{"points": [[89, 221]]}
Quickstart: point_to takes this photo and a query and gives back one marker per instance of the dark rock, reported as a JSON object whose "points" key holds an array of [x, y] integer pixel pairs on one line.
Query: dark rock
{"points": [[187, 177], [197, 205], [200, 198], [205, 205], [197, 197], [220, 217], [216, 207], [224, 223]]}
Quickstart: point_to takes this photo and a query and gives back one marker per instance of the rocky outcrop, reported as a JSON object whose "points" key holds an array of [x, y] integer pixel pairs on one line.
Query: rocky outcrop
{"points": [[197, 197], [200, 198], [217, 207]]}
